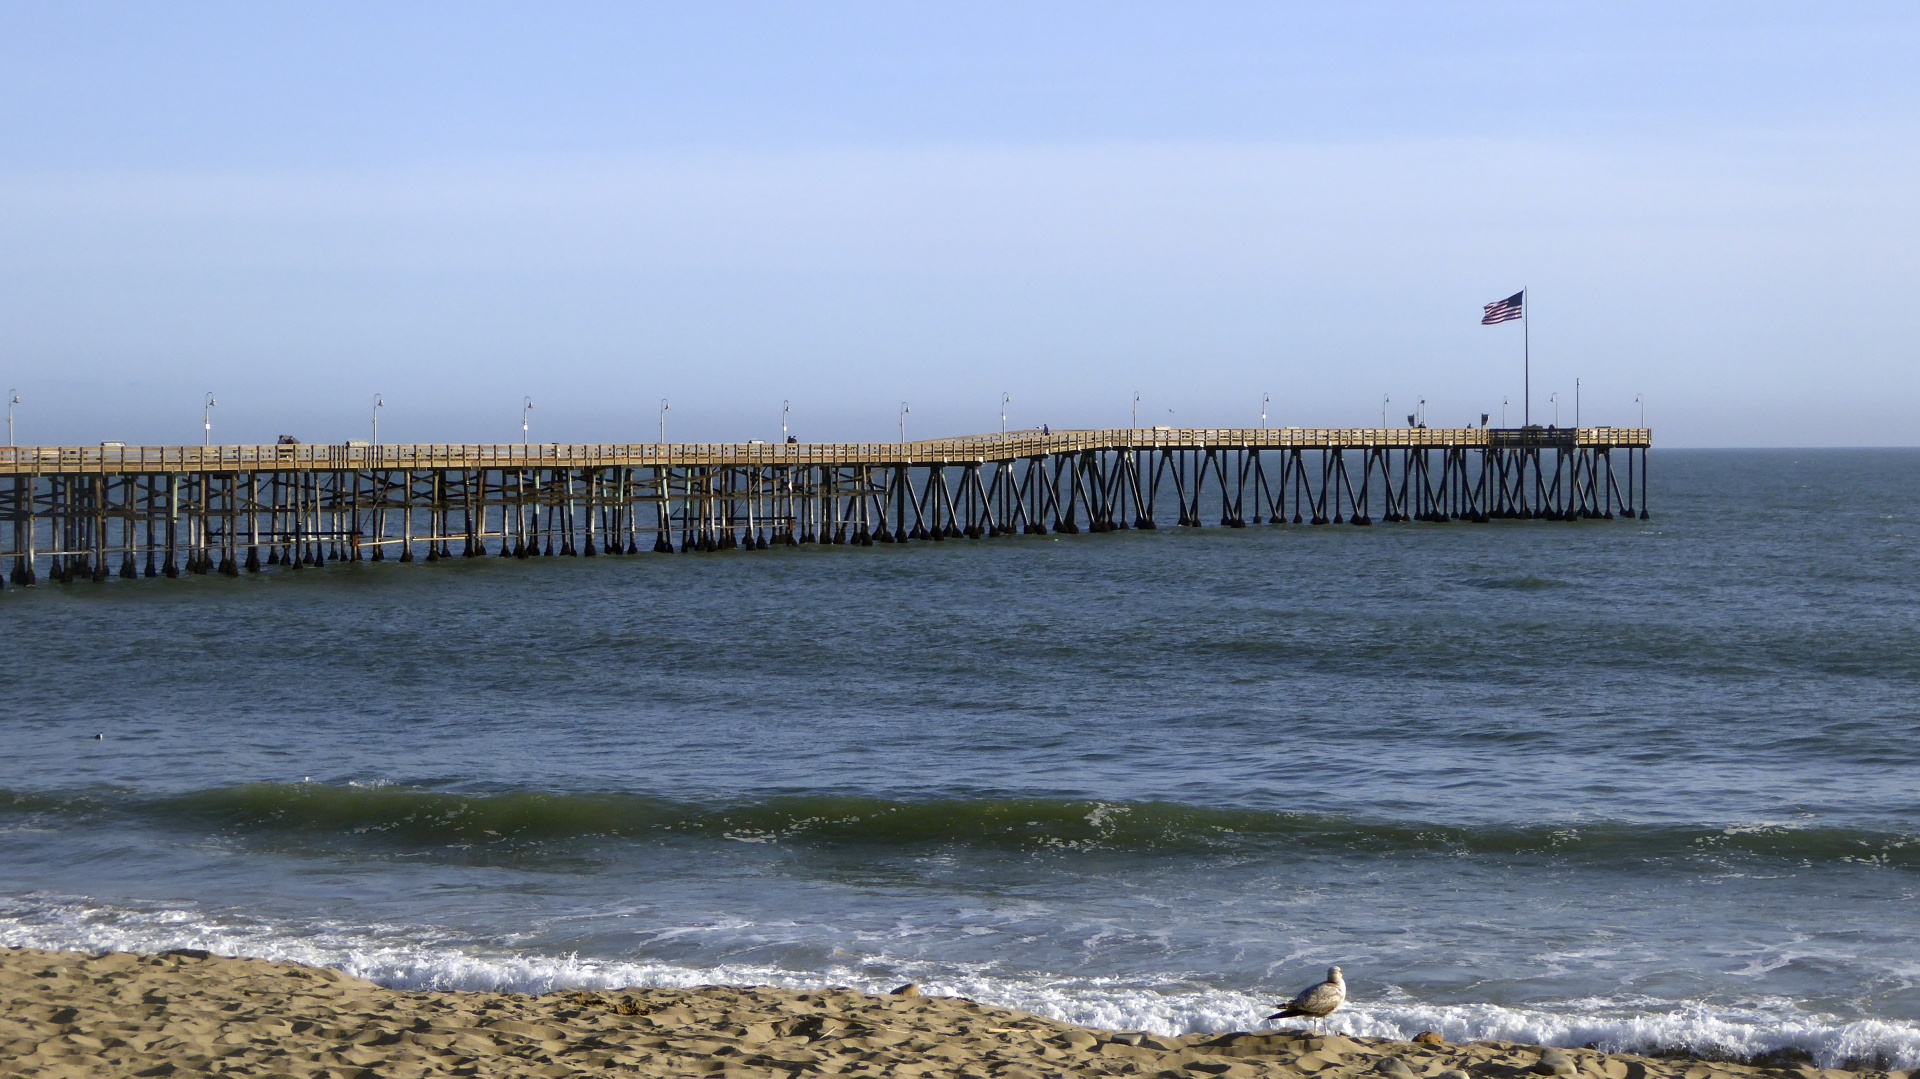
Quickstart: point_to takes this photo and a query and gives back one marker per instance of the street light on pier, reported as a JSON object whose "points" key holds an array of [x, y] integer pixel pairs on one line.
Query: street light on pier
{"points": [[1136, 410], [526, 406], [1503, 412], [13, 398], [1383, 410], [1005, 399], [1555, 398], [206, 418], [378, 404], [903, 422], [1264, 398], [1638, 399], [785, 407], [664, 409]]}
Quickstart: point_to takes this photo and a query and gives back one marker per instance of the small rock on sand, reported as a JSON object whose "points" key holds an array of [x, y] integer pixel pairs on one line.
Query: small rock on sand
{"points": [[1393, 1068], [1141, 1038], [1554, 1062], [1076, 1040]]}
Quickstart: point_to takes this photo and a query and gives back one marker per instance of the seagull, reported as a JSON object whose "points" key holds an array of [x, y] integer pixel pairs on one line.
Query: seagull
{"points": [[1316, 1002]]}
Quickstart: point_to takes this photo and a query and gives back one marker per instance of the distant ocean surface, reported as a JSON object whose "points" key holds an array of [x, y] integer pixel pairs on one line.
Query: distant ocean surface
{"points": [[1646, 785]]}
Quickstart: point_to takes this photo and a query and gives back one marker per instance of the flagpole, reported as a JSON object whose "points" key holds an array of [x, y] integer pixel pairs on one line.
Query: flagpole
{"points": [[1526, 358]]}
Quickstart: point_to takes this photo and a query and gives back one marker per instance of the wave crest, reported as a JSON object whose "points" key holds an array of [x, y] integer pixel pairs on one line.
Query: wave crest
{"points": [[417, 817]]}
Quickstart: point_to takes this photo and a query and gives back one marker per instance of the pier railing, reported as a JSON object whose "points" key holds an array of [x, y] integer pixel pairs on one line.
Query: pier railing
{"points": [[113, 459]]}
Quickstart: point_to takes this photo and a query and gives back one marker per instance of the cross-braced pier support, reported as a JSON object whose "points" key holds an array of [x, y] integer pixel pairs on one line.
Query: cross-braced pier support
{"points": [[73, 514]]}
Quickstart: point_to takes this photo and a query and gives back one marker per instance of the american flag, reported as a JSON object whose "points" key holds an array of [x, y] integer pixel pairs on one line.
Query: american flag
{"points": [[1506, 310]]}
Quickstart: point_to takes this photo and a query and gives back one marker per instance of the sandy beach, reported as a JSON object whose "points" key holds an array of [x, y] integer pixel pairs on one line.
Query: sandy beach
{"points": [[189, 1013]]}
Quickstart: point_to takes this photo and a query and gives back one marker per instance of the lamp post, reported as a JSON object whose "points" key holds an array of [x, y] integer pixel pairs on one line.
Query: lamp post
{"points": [[1555, 398], [903, 422], [526, 406], [1383, 410], [1576, 404], [13, 398], [1423, 412], [1638, 399], [1005, 398], [1503, 412], [664, 409], [785, 407], [1264, 398], [206, 418], [378, 404], [1136, 410]]}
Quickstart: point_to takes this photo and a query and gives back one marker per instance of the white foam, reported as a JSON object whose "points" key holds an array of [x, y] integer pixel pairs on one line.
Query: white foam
{"points": [[410, 957]]}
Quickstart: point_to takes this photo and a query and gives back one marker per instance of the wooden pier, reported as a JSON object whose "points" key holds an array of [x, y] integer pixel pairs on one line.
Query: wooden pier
{"points": [[94, 512]]}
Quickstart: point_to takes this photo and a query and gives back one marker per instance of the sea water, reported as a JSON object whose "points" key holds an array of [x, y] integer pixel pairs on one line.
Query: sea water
{"points": [[1642, 785]]}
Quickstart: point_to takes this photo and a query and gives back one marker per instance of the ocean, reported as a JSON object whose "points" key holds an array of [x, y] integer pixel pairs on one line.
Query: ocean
{"points": [[1645, 785]]}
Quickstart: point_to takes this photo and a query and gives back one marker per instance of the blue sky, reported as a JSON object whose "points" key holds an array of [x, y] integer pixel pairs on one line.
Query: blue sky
{"points": [[850, 206]]}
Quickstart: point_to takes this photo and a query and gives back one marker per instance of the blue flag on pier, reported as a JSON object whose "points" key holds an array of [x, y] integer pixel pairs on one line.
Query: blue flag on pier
{"points": [[1506, 310]]}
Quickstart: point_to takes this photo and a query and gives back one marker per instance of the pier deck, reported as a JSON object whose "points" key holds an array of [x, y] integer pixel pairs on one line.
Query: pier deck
{"points": [[76, 511]]}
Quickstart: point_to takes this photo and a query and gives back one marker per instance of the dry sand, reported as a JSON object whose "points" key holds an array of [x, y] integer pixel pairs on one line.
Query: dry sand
{"points": [[187, 1013]]}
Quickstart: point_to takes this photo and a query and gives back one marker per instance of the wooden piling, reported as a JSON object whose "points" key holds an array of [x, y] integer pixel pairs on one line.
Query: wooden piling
{"points": [[196, 507]]}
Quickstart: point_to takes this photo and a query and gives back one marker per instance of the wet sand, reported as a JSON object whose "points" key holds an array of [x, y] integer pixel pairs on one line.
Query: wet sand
{"points": [[187, 1013]]}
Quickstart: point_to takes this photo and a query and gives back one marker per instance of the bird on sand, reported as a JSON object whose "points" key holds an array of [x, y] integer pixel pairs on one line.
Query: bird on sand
{"points": [[1316, 1002]]}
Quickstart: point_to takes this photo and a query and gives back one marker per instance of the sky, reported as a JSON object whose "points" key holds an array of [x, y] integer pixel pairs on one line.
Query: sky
{"points": [[849, 208]]}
